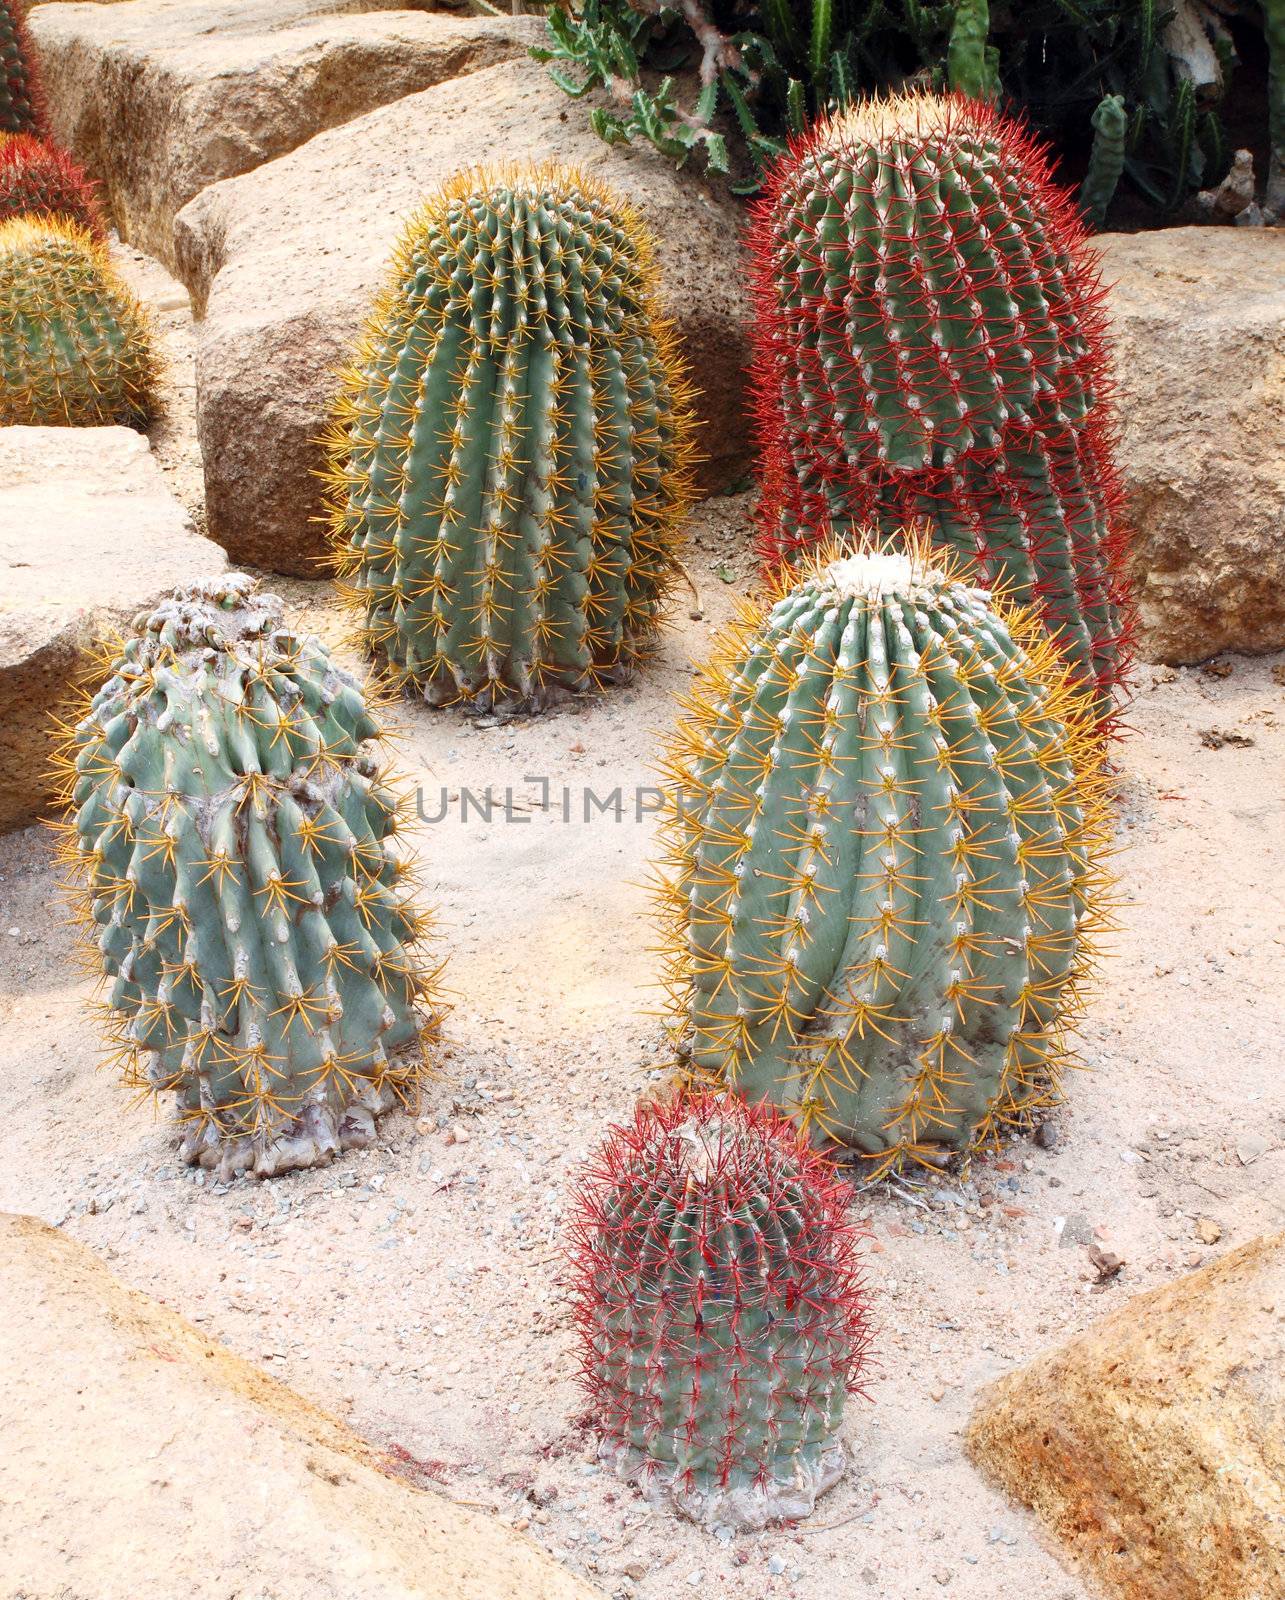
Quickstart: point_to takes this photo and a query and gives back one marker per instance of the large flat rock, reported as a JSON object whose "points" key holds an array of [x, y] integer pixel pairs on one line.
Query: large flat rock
{"points": [[1153, 1445], [89, 536], [141, 1461], [285, 261], [1199, 316], [159, 98]]}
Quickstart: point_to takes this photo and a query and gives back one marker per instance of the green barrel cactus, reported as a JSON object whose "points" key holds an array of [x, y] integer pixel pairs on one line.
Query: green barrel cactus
{"points": [[233, 844], [509, 457], [720, 1309], [76, 347], [884, 865]]}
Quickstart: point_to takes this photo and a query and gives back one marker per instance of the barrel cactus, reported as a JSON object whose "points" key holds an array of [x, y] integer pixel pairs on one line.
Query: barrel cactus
{"points": [[76, 346], [719, 1308], [38, 179], [233, 844], [22, 106], [884, 861], [509, 457], [929, 316]]}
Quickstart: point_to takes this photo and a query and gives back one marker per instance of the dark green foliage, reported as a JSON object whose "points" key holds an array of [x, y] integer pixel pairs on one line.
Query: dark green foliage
{"points": [[1106, 163], [1067, 63], [1274, 29]]}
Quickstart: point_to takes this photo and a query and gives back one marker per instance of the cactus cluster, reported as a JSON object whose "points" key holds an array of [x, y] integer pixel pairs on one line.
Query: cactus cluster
{"points": [[233, 844], [75, 345], [22, 105], [887, 819], [38, 179], [929, 344], [508, 462], [720, 1309], [884, 858]]}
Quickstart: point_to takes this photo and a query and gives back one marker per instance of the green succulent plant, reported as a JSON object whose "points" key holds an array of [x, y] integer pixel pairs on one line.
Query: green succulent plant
{"points": [[231, 839], [509, 457], [732, 79], [76, 347], [884, 858]]}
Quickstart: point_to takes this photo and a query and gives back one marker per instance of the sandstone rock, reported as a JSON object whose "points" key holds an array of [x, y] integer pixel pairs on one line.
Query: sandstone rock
{"points": [[1199, 318], [159, 98], [289, 257], [1154, 1444], [149, 1461], [89, 535]]}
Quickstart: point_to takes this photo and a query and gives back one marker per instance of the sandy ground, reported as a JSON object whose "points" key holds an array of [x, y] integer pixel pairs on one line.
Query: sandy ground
{"points": [[417, 1287]]}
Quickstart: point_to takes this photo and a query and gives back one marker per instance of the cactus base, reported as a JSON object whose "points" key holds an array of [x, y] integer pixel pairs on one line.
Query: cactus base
{"points": [[312, 1139], [748, 1508]]}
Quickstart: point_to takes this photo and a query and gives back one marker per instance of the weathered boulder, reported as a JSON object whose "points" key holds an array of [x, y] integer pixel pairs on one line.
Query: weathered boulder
{"points": [[1153, 1445], [89, 535], [285, 262], [1199, 316], [159, 98], [148, 1461]]}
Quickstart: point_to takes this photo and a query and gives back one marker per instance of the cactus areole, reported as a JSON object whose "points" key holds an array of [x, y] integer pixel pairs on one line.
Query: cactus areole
{"points": [[509, 458], [232, 842], [883, 871], [719, 1308]]}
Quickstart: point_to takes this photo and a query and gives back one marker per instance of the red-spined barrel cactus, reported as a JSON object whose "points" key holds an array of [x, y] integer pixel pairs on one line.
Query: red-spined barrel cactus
{"points": [[22, 104], [232, 839], [1043, 520], [929, 330], [720, 1310], [509, 460], [37, 179], [884, 869]]}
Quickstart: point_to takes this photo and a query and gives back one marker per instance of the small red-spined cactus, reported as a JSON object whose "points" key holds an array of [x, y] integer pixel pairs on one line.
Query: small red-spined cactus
{"points": [[930, 348], [720, 1309], [22, 101], [38, 179]]}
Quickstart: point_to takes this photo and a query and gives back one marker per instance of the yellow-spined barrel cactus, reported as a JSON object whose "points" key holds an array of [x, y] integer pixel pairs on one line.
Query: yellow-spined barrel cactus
{"points": [[76, 347], [234, 846], [509, 460], [884, 857]]}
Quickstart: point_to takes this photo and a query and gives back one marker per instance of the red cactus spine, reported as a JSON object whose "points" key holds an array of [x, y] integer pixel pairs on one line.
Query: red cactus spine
{"points": [[22, 102], [38, 179], [930, 341], [720, 1309]]}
